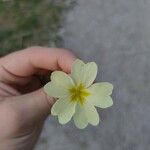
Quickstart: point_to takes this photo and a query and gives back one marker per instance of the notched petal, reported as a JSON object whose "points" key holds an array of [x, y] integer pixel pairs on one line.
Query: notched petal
{"points": [[100, 94], [66, 115], [91, 114], [53, 90], [77, 70], [89, 73], [79, 117], [102, 88], [62, 79], [64, 109], [104, 102]]}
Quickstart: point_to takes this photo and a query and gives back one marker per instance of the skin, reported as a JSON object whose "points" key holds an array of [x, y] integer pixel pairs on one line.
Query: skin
{"points": [[23, 104]]}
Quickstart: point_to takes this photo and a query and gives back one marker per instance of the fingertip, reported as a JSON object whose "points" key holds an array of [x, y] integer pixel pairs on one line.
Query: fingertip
{"points": [[63, 56], [66, 60]]}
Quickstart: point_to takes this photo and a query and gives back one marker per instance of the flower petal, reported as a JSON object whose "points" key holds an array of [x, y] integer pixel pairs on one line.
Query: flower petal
{"points": [[64, 109], [84, 73], [80, 118], [77, 70], [103, 88], [89, 73], [85, 114], [61, 79], [53, 90], [104, 102], [66, 116], [100, 94], [91, 114]]}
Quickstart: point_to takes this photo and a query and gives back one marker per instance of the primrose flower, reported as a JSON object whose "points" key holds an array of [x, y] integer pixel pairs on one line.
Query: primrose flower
{"points": [[77, 97]]}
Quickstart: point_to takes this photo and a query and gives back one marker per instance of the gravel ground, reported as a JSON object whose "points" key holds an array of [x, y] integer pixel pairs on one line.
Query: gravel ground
{"points": [[115, 34]]}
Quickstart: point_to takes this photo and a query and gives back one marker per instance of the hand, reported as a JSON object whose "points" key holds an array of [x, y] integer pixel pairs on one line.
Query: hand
{"points": [[23, 104]]}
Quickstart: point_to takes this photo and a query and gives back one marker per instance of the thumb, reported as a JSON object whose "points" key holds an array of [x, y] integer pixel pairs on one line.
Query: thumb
{"points": [[32, 107]]}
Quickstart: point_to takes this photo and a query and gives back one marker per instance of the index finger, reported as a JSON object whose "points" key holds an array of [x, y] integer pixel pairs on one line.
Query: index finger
{"points": [[26, 62]]}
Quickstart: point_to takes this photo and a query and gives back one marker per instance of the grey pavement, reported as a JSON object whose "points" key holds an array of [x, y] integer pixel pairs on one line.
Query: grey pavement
{"points": [[116, 35]]}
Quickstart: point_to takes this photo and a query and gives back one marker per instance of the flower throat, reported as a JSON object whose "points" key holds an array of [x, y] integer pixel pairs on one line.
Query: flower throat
{"points": [[78, 93]]}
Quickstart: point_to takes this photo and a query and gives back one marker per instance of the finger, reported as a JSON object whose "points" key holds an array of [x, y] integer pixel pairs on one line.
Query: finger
{"points": [[30, 108], [17, 66]]}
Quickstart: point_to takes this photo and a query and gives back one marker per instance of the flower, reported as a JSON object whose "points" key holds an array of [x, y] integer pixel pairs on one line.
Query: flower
{"points": [[77, 96]]}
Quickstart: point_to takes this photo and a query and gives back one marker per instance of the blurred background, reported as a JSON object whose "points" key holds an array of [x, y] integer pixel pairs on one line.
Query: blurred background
{"points": [[113, 33], [31, 22]]}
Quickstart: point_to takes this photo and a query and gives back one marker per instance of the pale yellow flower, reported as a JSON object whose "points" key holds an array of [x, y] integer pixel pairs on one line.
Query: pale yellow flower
{"points": [[77, 96]]}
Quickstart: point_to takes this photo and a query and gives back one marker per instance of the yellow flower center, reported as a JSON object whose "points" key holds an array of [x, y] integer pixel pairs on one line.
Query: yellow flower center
{"points": [[78, 94]]}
